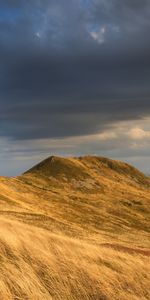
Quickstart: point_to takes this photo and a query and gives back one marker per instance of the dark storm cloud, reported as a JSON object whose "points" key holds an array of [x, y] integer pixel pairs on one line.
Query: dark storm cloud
{"points": [[72, 68]]}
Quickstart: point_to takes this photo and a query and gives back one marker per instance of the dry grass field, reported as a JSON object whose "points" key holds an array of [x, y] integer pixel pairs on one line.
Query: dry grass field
{"points": [[75, 228]]}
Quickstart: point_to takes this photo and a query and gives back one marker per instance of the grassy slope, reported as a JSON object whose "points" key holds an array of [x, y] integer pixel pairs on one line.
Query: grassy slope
{"points": [[75, 228]]}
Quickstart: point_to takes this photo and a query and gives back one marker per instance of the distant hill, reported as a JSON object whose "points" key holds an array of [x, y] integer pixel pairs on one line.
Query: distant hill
{"points": [[83, 168], [75, 228]]}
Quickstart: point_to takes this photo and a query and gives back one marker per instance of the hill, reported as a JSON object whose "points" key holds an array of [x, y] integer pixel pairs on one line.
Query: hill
{"points": [[75, 228]]}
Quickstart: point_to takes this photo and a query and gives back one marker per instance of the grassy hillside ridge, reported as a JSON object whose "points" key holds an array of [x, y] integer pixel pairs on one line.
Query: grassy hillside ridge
{"points": [[57, 167], [78, 168], [75, 228]]}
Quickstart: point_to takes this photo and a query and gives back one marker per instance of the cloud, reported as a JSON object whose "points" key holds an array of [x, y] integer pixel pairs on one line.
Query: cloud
{"points": [[99, 35], [138, 134], [116, 142], [72, 69]]}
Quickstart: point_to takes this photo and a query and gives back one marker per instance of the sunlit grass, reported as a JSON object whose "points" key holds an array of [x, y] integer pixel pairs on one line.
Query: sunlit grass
{"points": [[61, 239]]}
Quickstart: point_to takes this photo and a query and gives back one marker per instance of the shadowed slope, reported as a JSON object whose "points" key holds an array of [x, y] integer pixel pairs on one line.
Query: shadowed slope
{"points": [[59, 167]]}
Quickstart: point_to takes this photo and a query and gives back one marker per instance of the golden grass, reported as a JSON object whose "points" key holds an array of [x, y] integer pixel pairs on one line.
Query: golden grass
{"points": [[36, 264], [68, 238]]}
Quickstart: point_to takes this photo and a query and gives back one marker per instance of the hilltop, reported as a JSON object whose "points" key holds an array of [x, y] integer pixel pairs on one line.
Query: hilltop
{"points": [[73, 228], [86, 167]]}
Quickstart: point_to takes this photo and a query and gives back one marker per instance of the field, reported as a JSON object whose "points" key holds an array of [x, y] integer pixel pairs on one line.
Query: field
{"points": [[75, 228]]}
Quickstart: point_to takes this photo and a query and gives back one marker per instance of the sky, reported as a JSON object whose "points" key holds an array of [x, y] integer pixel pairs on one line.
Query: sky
{"points": [[74, 80]]}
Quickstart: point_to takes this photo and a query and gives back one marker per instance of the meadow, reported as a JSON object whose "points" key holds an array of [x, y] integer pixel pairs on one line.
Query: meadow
{"points": [[75, 228]]}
